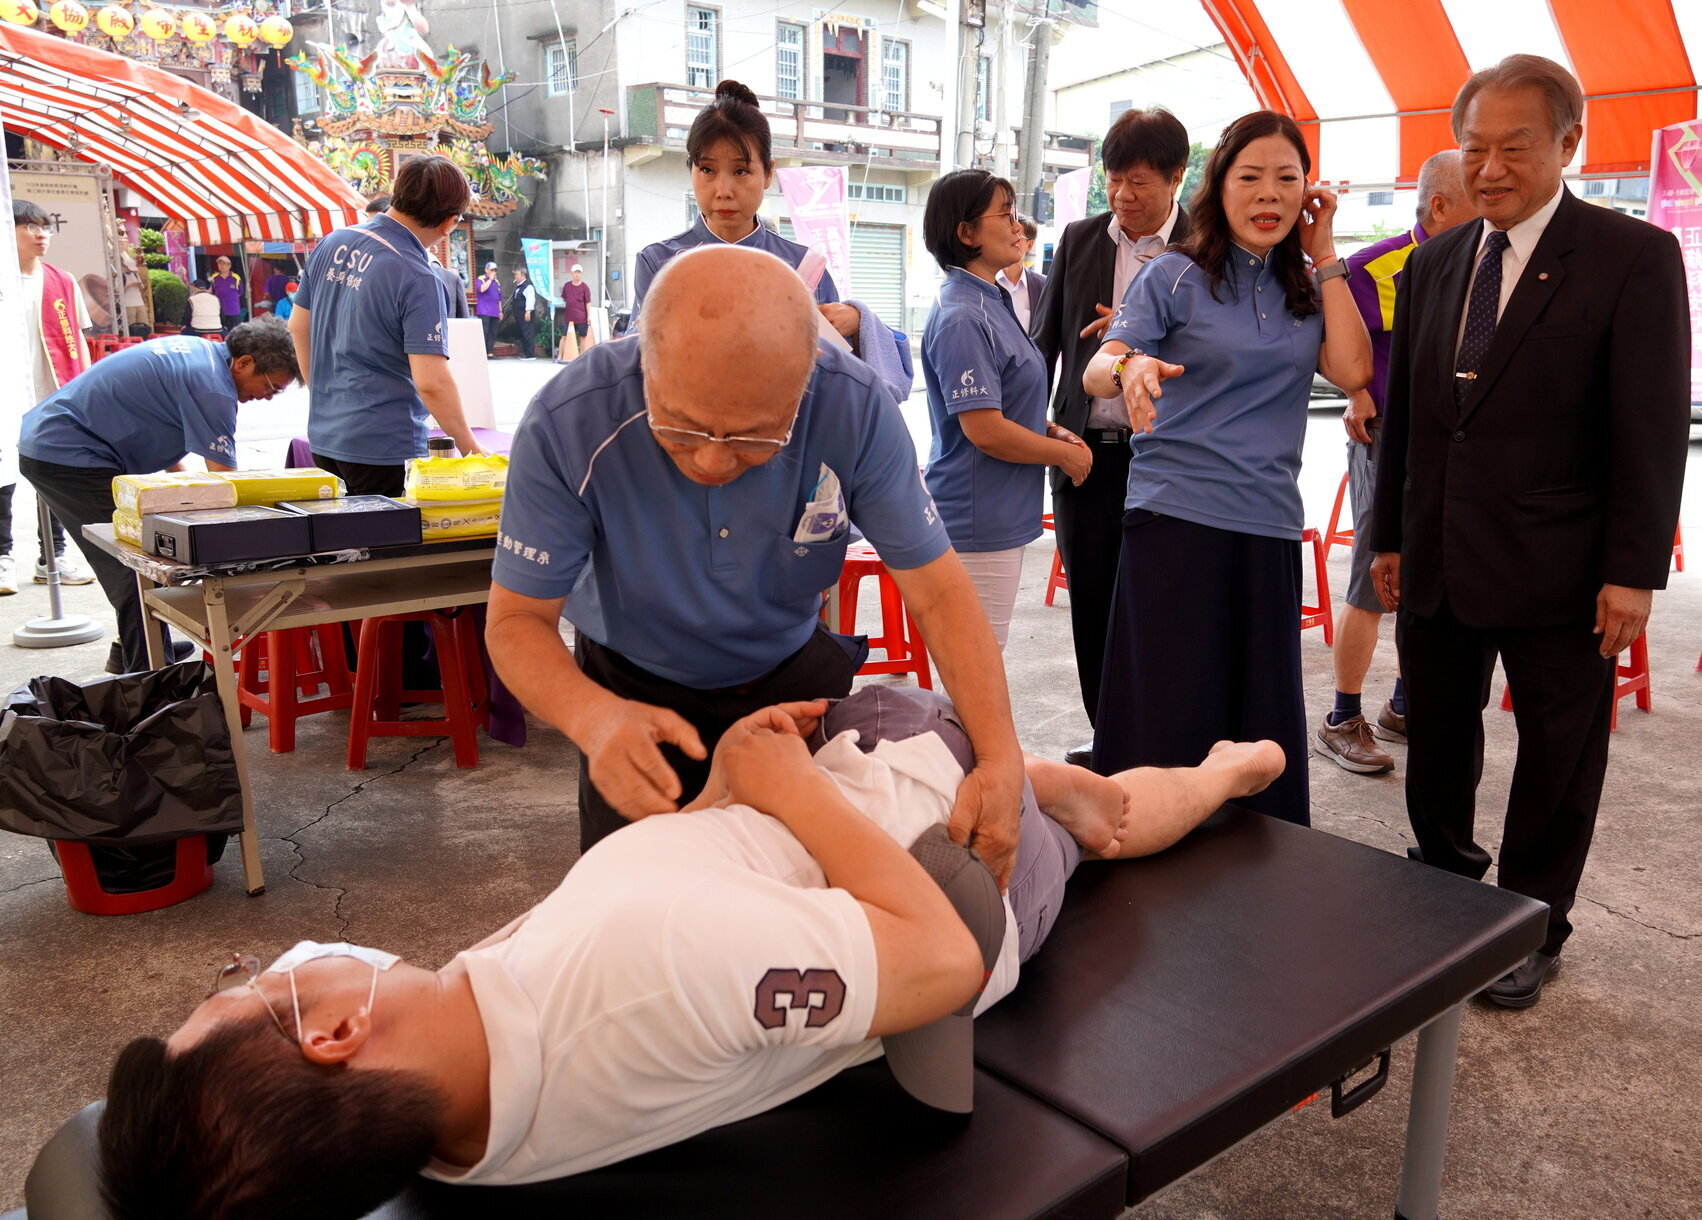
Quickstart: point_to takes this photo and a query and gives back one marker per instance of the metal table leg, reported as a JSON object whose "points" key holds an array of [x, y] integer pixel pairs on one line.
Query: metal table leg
{"points": [[219, 644], [1427, 1119]]}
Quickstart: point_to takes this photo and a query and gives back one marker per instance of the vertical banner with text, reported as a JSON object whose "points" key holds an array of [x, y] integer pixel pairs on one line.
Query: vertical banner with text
{"points": [[536, 252], [815, 198], [1675, 203]]}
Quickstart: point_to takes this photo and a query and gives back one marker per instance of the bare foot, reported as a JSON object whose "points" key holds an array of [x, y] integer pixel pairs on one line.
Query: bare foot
{"points": [[1254, 764], [1091, 807]]}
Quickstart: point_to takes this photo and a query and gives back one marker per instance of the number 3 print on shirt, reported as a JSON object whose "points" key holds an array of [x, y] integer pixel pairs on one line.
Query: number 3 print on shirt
{"points": [[819, 992]]}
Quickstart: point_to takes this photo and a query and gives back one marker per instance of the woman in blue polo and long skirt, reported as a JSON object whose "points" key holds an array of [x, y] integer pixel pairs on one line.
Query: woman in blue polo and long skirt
{"points": [[1212, 350]]}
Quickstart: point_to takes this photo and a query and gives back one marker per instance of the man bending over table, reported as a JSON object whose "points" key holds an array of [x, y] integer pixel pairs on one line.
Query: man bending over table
{"points": [[691, 971], [686, 498]]}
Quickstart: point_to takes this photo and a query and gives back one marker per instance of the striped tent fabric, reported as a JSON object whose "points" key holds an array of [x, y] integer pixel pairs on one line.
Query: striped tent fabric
{"points": [[224, 172], [1371, 82]]}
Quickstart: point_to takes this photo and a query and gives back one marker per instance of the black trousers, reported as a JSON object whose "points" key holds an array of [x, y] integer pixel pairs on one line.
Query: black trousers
{"points": [[821, 669], [1204, 645], [79, 496], [6, 494], [1562, 702], [528, 341], [364, 480], [489, 322], [1089, 521]]}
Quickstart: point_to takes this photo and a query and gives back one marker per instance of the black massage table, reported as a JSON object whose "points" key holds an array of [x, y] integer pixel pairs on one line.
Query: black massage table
{"points": [[1181, 1003]]}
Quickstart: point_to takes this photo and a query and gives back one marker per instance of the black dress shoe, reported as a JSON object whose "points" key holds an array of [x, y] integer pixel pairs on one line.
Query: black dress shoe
{"points": [[1522, 986], [181, 650], [1080, 756]]}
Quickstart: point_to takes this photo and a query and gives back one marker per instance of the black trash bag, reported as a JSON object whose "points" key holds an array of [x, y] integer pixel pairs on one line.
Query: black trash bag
{"points": [[127, 761]]}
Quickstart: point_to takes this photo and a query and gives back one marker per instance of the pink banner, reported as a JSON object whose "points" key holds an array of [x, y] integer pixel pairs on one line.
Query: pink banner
{"points": [[177, 253], [1675, 203], [815, 197], [1071, 193]]}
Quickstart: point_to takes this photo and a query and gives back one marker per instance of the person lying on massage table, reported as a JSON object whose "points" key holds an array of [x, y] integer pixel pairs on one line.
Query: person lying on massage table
{"points": [[693, 969]]}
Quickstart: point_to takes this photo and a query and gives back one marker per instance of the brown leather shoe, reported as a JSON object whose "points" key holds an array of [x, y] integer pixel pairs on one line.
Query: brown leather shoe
{"points": [[1350, 746]]}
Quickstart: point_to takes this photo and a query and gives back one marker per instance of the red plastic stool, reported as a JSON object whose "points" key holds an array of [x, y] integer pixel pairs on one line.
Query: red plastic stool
{"points": [[899, 638], [1322, 614], [292, 671], [1335, 535], [1056, 580], [1630, 678], [1678, 546], [83, 889], [378, 685]]}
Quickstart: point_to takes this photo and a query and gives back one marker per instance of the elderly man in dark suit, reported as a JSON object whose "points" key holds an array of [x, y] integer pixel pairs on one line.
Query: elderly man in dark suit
{"points": [[1534, 450], [1145, 154]]}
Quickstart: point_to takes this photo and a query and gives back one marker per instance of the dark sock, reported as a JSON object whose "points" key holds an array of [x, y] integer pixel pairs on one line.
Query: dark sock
{"points": [[1347, 707], [1398, 700]]}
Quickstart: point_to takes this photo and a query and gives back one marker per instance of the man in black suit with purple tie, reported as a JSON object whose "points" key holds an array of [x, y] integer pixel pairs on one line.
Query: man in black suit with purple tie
{"points": [[1534, 446]]}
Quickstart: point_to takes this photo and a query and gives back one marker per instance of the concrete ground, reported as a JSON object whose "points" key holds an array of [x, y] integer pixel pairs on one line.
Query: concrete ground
{"points": [[1586, 1106]]}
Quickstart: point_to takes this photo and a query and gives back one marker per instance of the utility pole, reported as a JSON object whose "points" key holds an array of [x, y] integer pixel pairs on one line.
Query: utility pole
{"points": [[1001, 125], [972, 25], [1031, 155]]}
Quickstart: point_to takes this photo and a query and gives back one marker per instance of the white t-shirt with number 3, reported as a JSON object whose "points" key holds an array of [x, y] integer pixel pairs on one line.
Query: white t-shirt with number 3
{"points": [[692, 970]]}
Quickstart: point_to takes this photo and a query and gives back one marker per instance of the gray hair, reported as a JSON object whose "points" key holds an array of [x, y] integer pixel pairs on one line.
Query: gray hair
{"points": [[1559, 88], [1439, 175], [268, 340]]}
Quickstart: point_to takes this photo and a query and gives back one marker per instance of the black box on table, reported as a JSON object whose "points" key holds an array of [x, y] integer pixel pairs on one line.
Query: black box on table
{"points": [[226, 535], [357, 522]]}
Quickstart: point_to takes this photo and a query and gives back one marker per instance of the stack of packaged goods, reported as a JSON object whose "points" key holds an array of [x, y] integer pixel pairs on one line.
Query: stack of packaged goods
{"points": [[135, 495], [270, 487], [458, 497]]}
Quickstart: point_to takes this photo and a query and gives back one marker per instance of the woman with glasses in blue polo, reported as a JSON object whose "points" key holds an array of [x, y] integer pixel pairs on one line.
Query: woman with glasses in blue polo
{"points": [[987, 388]]}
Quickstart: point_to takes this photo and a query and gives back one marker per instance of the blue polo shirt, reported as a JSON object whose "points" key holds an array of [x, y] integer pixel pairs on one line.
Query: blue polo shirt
{"points": [[703, 586], [374, 300], [139, 410], [976, 355], [1225, 448], [653, 257]]}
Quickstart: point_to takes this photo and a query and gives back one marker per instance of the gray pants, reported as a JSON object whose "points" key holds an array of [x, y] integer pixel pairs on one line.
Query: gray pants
{"points": [[1362, 490], [1046, 853], [80, 496]]}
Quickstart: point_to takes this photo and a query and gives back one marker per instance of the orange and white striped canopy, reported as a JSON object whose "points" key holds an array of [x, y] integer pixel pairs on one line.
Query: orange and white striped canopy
{"points": [[1372, 81], [226, 173]]}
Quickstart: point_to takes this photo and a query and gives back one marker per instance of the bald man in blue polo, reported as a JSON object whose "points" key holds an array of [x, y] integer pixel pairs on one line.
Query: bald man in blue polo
{"points": [[671, 496]]}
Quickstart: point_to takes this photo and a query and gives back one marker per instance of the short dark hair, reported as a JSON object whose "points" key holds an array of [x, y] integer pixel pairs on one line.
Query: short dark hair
{"points": [[26, 212], [242, 1124], [1030, 230], [199, 282], [958, 198], [1152, 137], [1559, 88], [429, 190], [267, 339], [733, 116], [377, 204], [1209, 238]]}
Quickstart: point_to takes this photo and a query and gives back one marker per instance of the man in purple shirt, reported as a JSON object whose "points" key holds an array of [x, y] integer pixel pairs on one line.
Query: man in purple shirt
{"points": [[228, 288], [1345, 736], [489, 305]]}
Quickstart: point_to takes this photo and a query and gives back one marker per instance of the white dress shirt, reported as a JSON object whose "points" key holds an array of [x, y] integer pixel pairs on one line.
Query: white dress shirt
{"points": [[1018, 292], [1522, 238], [1132, 255]]}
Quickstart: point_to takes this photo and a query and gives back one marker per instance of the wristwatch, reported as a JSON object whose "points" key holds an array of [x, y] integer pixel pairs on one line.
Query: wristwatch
{"points": [[1337, 268], [1117, 366]]}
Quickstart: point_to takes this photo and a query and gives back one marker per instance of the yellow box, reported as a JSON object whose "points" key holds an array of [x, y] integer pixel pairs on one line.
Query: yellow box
{"points": [[482, 477], [458, 519], [171, 491], [127, 527], [270, 487]]}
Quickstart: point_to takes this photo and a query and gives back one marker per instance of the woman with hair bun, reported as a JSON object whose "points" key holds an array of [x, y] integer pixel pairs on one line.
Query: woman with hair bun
{"points": [[729, 153]]}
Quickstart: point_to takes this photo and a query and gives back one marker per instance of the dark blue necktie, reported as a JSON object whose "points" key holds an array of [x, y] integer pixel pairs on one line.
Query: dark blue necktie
{"points": [[1480, 315]]}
